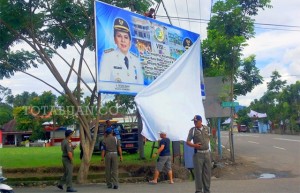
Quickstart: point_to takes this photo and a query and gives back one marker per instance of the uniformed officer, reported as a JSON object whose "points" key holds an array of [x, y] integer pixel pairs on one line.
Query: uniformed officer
{"points": [[120, 65], [111, 147], [201, 158], [67, 160]]}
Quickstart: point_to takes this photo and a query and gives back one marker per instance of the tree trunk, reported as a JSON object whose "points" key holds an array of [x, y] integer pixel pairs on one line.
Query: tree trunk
{"points": [[83, 170], [87, 144], [85, 162]]}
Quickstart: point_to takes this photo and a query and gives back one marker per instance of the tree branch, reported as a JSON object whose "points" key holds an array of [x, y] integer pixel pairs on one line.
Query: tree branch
{"points": [[37, 79], [70, 72], [43, 82]]}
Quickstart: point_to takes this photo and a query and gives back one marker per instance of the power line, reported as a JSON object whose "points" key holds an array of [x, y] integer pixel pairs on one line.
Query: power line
{"points": [[279, 29], [278, 25], [291, 75], [200, 13], [177, 13], [211, 5], [269, 24], [184, 18], [187, 8], [196, 20]]}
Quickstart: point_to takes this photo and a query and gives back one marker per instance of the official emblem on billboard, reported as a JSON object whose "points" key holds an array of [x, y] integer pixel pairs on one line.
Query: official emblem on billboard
{"points": [[159, 34]]}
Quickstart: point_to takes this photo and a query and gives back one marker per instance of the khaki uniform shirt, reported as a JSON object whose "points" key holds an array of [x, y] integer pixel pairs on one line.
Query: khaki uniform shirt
{"points": [[113, 67], [111, 143], [66, 146], [200, 135]]}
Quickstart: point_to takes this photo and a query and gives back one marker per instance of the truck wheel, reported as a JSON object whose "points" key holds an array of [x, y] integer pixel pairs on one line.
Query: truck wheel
{"points": [[132, 151]]}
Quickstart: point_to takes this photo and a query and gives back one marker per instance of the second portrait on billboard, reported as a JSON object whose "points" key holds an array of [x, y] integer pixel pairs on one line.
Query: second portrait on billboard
{"points": [[119, 64]]}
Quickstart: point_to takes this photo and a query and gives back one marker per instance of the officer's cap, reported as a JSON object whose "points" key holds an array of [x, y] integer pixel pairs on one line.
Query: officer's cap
{"points": [[187, 42], [162, 132], [69, 132], [197, 118], [121, 25], [108, 130]]}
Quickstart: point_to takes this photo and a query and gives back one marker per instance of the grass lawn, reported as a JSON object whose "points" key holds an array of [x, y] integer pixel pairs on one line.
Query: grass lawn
{"points": [[31, 157]]}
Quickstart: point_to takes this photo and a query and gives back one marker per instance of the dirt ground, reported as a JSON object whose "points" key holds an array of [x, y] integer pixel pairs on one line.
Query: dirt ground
{"points": [[241, 169]]}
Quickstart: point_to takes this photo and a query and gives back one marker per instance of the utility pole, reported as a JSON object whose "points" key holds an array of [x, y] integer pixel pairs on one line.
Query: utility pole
{"points": [[231, 117], [166, 12]]}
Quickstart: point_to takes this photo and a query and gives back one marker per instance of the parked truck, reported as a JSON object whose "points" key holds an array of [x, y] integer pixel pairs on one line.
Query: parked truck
{"points": [[129, 136]]}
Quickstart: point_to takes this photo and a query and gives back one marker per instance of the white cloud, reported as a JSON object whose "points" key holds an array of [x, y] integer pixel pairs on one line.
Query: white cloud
{"points": [[282, 12], [285, 60], [276, 49], [272, 44], [256, 93]]}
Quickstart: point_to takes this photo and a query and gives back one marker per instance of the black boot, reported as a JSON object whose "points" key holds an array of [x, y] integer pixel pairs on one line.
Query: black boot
{"points": [[60, 186], [71, 190]]}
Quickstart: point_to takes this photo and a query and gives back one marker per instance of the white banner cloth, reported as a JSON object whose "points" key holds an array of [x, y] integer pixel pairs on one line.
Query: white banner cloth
{"points": [[171, 101], [254, 114]]}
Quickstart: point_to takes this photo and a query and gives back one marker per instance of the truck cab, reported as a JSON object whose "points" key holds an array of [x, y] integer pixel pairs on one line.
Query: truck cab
{"points": [[129, 137]]}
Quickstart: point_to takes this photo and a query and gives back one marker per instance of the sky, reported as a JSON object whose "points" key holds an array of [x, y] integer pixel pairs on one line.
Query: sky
{"points": [[275, 49]]}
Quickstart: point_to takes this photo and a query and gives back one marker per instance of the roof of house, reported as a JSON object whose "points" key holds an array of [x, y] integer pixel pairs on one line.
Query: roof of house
{"points": [[11, 128]]}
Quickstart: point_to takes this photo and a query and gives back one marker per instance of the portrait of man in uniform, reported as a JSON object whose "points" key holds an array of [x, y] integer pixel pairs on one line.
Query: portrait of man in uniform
{"points": [[187, 43], [119, 64]]}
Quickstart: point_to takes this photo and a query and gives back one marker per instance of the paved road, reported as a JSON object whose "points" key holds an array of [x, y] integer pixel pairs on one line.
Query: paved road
{"points": [[279, 152], [283, 185]]}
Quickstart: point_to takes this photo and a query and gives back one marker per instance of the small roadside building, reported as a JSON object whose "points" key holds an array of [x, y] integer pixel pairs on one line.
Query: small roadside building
{"points": [[56, 134], [12, 136]]}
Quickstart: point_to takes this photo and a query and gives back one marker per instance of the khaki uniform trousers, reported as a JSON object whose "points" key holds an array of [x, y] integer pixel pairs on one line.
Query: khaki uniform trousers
{"points": [[111, 169], [68, 172], [202, 168]]}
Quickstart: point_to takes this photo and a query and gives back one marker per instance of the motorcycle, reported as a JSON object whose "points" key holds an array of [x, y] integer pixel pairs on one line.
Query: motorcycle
{"points": [[3, 187]]}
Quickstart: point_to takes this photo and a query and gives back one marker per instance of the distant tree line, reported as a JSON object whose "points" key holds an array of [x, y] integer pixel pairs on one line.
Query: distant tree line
{"points": [[281, 102]]}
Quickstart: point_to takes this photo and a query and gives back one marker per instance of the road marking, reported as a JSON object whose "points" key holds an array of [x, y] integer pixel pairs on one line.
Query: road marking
{"points": [[294, 140], [253, 142], [240, 135], [223, 146], [247, 135], [279, 148], [228, 149]]}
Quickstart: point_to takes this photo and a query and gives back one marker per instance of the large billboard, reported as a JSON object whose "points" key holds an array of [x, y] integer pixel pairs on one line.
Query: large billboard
{"points": [[133, 50]]}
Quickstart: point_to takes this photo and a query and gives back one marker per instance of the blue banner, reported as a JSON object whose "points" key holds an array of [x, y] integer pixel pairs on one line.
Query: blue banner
{"points": [[133, 50]]}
